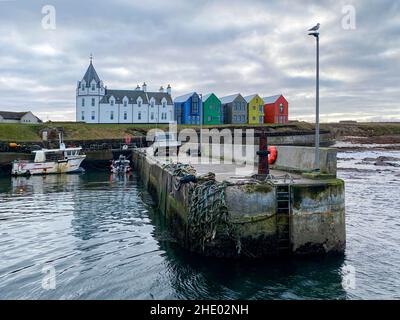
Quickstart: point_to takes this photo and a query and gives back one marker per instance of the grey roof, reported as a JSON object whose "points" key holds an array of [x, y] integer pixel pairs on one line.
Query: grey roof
{"points": [[205, 97], [90, 75], [250, 97], [158, 96], [229, 99], [11, 115], [271, 99], [184, 97], [133, 95]]}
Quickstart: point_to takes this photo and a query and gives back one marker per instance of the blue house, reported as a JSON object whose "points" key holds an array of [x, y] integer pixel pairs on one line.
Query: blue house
{"points": [[188, 108]]}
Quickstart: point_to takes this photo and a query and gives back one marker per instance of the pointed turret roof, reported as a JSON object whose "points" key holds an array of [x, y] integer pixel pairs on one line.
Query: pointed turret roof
{"points": [[90, 75]]}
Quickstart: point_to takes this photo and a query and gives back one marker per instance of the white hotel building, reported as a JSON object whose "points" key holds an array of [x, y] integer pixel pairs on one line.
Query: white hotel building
{"points": [[97, 104]]}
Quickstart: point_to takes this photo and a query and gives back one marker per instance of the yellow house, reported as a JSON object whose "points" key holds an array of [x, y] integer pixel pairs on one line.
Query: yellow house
{"points": [[255, 109]]}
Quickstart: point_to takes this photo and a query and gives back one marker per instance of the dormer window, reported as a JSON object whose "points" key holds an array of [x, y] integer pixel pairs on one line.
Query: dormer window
{"points": [[93, 86], [83, 86], [111, 101], [152, 103], [125, 103], [164, 104]]}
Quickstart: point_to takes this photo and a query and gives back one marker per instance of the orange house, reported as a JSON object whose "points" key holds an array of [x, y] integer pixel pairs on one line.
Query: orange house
{"points": [[276, 109]]}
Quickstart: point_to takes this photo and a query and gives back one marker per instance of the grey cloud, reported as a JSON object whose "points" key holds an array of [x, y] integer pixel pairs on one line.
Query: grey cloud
{"points": [[207, 46]]}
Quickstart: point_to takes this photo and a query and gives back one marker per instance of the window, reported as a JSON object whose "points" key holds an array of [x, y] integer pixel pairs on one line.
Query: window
{"points": [[195, 105], [281, 108], [139, 116], [83, 86], [93, 115], [209, 118], [152, 103], [261, 119], [125, 115], [152, 116], [112, 102], [83, 115], [234, 118], [164, 104], [254, 108], [83, 102], [254, 118], [125, 103], [93, 86], [261, 108], [93, 102], [111, 115]]}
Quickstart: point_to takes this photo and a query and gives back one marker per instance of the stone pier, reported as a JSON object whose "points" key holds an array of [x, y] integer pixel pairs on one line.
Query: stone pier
{"points": [[286, 215]]}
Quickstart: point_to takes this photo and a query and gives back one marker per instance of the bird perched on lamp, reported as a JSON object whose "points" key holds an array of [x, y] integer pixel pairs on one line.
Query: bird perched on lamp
{"points": [[315, 28]]}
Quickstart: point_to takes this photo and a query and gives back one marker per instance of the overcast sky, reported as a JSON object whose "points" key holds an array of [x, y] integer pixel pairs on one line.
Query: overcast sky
{"points": [[205, 46]]}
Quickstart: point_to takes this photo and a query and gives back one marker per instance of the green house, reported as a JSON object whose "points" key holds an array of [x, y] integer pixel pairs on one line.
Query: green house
{"points": [[212, 110]]}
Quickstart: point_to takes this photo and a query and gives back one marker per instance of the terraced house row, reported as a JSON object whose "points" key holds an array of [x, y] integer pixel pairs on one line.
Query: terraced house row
{"points": [[194, 108], [95, 103]]}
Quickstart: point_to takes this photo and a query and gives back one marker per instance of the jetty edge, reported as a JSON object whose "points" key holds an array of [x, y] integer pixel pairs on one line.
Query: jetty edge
{"points": [[213, 213]]}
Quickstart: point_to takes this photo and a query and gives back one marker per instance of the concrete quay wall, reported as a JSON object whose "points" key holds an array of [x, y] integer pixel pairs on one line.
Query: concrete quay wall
{"points": [[316, 220]]}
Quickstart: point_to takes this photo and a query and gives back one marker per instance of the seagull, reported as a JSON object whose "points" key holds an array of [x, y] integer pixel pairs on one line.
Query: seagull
{"points": [[315, 28]]}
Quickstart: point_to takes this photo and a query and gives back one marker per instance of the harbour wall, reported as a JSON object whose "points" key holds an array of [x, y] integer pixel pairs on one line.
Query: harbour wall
{"points": [[289, 158], [315, 223]]}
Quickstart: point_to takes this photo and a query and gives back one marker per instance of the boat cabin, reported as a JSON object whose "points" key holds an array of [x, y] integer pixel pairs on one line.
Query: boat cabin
{"points": [[51, 155]]}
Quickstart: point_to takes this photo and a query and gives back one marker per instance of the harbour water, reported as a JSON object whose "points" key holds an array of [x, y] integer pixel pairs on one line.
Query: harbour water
{"points": [[102, 238]]}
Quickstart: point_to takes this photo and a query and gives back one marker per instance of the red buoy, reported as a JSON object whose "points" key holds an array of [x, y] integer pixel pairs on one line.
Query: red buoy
{"points": [[273, 154]]}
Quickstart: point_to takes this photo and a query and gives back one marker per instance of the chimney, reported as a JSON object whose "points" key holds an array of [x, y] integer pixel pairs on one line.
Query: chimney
{"points": [[137, 87], [161, 89], [169, 89], [144, 87]]}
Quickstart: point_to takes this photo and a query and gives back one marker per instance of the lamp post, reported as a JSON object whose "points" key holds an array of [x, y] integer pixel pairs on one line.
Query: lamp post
{"points": [[315, 33], [201, 121]]}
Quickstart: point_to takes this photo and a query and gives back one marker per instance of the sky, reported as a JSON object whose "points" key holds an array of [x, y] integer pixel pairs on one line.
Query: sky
{"points": [[218, 46]]}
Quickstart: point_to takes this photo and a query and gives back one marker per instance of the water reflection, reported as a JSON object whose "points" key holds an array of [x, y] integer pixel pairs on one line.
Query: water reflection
{"points": [[195, 277], [106, 241]]}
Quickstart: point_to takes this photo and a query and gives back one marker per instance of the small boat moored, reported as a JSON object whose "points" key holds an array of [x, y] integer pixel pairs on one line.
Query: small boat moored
{"points": [[121, 166], [50, 161]]}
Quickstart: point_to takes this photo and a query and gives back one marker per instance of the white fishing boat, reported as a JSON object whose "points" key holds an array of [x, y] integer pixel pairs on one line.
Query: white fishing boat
{"points": [[50, 161]]}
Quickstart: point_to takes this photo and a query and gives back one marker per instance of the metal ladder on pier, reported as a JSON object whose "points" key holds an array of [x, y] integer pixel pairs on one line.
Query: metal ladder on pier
{"points": [[283, 219]]}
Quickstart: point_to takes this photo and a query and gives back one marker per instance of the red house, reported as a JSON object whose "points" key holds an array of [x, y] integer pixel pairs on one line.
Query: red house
{"points": [[276, 109]]}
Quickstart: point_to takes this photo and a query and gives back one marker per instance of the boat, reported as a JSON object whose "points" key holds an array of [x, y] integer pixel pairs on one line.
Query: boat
{"points": [[50, 161], [122, 165]]}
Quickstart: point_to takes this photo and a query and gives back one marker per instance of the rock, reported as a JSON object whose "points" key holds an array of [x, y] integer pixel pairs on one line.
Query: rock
{"points": [[386, 164], [381, 158]]}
